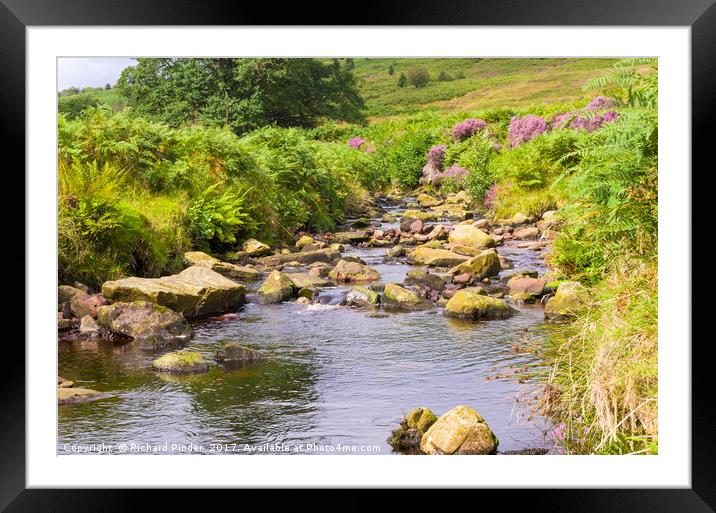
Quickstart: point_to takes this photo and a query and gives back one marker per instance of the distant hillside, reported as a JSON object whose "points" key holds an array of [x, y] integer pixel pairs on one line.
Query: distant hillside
{"points": [[487, 83], [465, 84]]}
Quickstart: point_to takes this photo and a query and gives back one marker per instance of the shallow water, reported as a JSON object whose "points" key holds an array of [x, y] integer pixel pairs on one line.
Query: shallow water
{"points": [[333, 376]]}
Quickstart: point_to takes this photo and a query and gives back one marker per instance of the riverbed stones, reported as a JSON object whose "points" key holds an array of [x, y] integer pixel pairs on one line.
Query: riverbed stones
{"points": [[424, 278], [231, 271], [66, 293], [468, 235], [362, 296], [459, 431], [319, 269], [435, 257], [256, 248], [426, 200], [232, 355], [146, 322], [86, 304], [529, 232], [66, 395], [346, 271], [418, 214], [351, 237], [400, 297], [528, 285], [481, 266], [396, 251], [472, 303], [570, 299], [308, 280], [184, 361], [326, 255], [88, 325], [305, 240], [277, 287], [194, 292]]}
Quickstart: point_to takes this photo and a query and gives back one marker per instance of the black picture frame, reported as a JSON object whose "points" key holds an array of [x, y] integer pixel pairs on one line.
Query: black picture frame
{"points": [[17, 15]]}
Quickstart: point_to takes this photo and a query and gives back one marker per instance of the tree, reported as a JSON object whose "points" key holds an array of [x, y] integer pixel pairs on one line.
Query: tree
{"points": [[107, 87], [402, 80], [418, 76], [242, 94], [444, 77], [391, 70]]}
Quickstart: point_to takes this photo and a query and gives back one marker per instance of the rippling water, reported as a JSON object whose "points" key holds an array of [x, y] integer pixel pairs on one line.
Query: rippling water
{"points": [[332, 375]]}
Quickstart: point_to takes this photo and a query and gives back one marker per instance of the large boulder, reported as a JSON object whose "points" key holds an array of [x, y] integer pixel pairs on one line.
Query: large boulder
{"points": [[183, 361], [277, 287], [468, 235], [424, 278], [353, 271], [481, 266], [194, 292], [459, 431], [86, 304], [400, 297], [472, 303], [570, 299], [362, 296], [255, 248], [148, 323], [231, 271], [435, 257], [326, 255]]}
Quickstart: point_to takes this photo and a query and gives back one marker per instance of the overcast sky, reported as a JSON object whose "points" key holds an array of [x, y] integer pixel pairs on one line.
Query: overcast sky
{"points": [[90, 71]]}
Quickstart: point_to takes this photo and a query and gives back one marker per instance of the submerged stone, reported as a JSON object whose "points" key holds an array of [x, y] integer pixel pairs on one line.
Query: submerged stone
{"points": [[183, 361]]}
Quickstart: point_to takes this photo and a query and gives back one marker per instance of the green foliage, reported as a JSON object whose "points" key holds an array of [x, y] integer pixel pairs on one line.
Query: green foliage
{"points": [[402, 157], [418, 76], [402, 80], [615, 194], [72, 106], [476, 159], [242, 94], [217, 220], [628, 85]]}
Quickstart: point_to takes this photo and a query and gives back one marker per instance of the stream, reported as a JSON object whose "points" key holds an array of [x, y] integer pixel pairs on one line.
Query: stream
{"points": [[333, 376]]}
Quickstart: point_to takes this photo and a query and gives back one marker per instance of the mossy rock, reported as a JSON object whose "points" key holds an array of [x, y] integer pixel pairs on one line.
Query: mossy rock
{"points": [[423, 255], [425, 279], [481, 266], [351, 237], [194, 292], [307, 280], [326, 255], [277, 287], [461, 430], [348, 271], [305, 241], [66, 395], [362, 296], [307, 292], [400, 297], [421, 418], [472, 303], [419, 214], [183, 361], [426, 200], [148, 323], [255, 248], [229, 270], [468, 235]]}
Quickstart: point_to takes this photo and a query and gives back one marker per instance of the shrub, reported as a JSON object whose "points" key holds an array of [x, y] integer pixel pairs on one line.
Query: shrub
{"points": [[467, 128], [525, 128], [418, 76], [218, 219], [402, 80]]}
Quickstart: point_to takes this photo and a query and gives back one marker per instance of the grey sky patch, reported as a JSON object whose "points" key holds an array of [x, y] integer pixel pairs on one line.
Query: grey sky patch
{"points": [[90, 71]]}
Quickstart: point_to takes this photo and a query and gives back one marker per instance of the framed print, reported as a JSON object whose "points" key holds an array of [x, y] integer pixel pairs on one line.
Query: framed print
{"points": [[334, 251]]}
